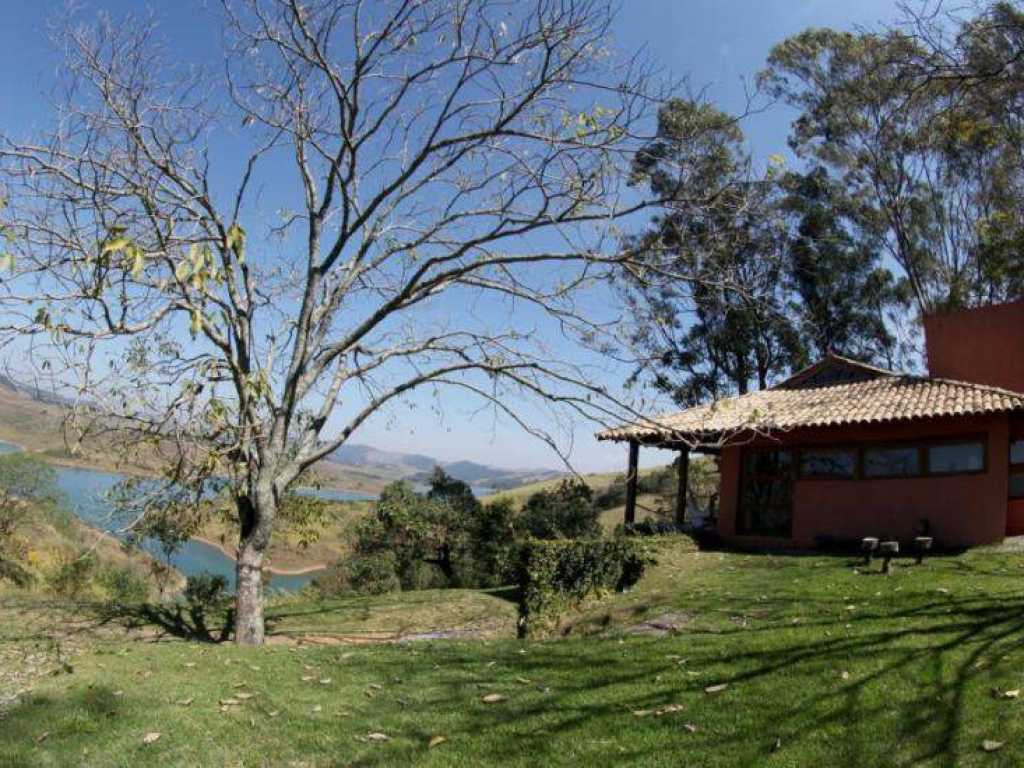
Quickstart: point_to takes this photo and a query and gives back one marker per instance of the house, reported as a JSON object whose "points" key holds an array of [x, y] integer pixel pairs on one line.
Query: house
{"points": [[844, 450]]}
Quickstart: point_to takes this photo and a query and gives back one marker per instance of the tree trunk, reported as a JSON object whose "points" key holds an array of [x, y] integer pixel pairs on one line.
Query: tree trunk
{"points": [[249, 627], [256, 519]]}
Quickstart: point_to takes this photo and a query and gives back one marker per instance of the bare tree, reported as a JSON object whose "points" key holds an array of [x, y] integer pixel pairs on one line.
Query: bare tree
{"points": [[404, 161]]}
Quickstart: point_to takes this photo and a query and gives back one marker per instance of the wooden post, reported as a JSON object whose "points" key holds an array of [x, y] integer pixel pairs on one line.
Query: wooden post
{"points": [[631, 481], [683, 470]]}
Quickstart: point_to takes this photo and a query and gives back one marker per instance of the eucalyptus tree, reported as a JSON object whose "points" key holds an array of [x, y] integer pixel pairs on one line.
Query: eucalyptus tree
{"points": [[918, 124], [712, 319], [239, 266]]}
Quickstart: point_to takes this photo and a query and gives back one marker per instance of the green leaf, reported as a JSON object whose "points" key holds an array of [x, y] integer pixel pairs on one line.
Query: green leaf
{"points": [[195, 322], [115, 244], [135, 258], [236, 242], [6, 261]]}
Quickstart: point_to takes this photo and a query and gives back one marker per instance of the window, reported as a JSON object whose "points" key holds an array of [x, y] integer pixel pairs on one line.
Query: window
{"points": [[766, 493], [829, 463], [1017, 486], [892, 461], [956, 457], [1017, 467], [1017, 451]]}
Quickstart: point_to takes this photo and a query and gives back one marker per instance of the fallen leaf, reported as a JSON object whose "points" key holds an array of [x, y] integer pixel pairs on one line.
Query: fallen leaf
{"points": [[642, 712], [716, 688], [151, 737], [244, 696], [844, 675], [325, 681], [118, 693], [42, 737], [229, 702], [493, 698], [668, 710], [1014, 694], [190, 664], [307, 678], [777, 745], [378, 737], [689, 727], [318, 708], [274, 713], [523, 681], [185, 702], [436, 741], [991, 746]]}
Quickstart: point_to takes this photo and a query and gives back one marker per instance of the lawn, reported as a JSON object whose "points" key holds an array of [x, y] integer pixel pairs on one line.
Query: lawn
{"points": [[822, 664]]}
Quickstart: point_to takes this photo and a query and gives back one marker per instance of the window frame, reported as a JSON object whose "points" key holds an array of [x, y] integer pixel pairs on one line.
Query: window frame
{"points": [[741, 527], [1014, 468], [849, 447], [921, 444]]}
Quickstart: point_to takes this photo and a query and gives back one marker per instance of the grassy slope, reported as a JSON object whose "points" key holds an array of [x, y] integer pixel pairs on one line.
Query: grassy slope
{"points": [[835, 666]]}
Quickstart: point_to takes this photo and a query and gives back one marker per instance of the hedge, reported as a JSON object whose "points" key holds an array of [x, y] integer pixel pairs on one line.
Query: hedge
{"points": [[554, 573]]}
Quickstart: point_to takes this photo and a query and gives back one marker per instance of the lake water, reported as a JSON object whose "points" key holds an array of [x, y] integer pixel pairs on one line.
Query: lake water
{"points": [[84, 490]]}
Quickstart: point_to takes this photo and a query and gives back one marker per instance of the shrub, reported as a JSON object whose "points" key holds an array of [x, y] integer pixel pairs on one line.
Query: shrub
{"points": [[372, 574], [73, 574], [205, 590], [122, 585], [23, 479], [554, 573], [444, 539], [566, 512]]}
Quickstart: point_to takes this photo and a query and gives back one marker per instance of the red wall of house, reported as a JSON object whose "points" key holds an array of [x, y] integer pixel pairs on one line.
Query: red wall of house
{"points": [[984, 345], [964, 510]]}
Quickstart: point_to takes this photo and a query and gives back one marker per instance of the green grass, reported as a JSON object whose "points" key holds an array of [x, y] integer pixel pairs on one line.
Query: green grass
{"points": [[835, 666]]}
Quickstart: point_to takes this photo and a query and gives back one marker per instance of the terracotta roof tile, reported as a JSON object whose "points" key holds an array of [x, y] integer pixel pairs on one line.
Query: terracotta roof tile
{"points": [[885, 398]]}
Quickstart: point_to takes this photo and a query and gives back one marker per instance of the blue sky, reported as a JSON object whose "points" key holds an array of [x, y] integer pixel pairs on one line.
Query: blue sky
{"points": [[713, 43]]}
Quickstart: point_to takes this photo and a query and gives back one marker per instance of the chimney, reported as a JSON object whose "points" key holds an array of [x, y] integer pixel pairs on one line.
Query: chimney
{"points": [[983, 345]]}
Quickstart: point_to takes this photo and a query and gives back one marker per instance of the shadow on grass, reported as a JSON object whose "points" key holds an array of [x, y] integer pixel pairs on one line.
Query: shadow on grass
{"points": [[181, 620]]}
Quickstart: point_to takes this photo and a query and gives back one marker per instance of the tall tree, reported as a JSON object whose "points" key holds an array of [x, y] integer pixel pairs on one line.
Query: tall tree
{"points": [[939, 177], [401, 160], [845, 301], [714, 324]]}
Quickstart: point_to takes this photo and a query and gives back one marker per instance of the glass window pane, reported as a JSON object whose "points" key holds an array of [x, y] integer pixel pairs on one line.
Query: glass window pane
{"points": [[892, 462], [828, 462], [1016, 486], [958, 457], [1017, 452], [766, 493]]}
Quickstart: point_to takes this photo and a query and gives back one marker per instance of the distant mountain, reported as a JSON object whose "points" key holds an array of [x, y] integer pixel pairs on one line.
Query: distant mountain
{"points": [[417, 468]]}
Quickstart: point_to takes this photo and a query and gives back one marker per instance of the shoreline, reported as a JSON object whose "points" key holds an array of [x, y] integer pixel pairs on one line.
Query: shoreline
{"points": [[233, 556]]}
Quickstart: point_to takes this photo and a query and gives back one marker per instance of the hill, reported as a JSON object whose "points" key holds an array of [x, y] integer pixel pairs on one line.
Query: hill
{"points": [[417, 468], [34, 420]]}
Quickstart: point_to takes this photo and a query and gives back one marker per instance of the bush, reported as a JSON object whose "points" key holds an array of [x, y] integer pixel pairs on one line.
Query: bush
{"points": [[122, 585], [73, 574], [554, 573], [205, 590], [360, 574], [567, 512]]}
